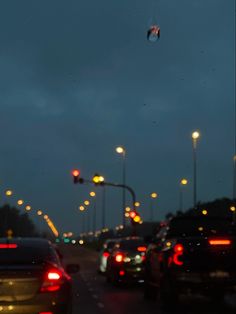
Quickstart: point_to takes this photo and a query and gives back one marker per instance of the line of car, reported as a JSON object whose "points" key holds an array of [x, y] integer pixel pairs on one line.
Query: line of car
{"points": [[189, 254]]}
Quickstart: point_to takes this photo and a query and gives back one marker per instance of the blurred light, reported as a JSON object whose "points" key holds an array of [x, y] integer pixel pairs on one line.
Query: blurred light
{"points": [[136, 204], [127, 209], [121, 227], [232, 208], [9, 192], [127, 215], [81, 208], [81, 242], [92, 194], [28, 207], [86, 202], [45, 217], [200, 228], [204, 212], [75, 172], [137, 218], [168, 244], [70, 234], [73, 242], [184, 181], [39, 212], [154, 195], [195, 135], [120, 150], [20, 202], [101, 179]]}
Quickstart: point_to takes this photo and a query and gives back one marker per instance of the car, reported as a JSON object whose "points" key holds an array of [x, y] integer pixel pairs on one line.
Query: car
{"points": [[125, 262], [104, 254], [32, 278], [191, 254]]}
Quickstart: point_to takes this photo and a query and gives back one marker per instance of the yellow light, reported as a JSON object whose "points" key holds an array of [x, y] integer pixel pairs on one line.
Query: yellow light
{"points": [[154, 195], [92, 194], [127, 209], [141, 222], [45, 217], [120, 150], [204, 212], [232, 208], [9, 192], [168, 244], [81, 242], [137, 218], [20, 202], [101, 179], [200, 229], [39, 212], [195, 135], [184, 181], [127, 215], [28, 207], [137, 204], [86, 203], [81, 208]]}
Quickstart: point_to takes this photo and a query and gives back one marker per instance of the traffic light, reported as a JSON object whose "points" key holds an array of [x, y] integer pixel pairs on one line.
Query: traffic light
{"points": [[97, 179], [135, 218], [76, 174]]}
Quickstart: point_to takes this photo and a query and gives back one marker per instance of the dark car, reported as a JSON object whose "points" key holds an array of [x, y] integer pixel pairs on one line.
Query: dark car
{"points": [[191, 254], [125, 262], [32, 279], [104, 254]]}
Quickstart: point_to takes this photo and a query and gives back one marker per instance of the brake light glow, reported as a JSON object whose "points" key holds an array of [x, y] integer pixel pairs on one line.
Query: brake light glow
{"points": [[54, 275], [121, 272], [106, 254], [220, 242], [142, 249], [45, 312], [178, 252], [178, 248], [119, 257], [8, 246], [52, 281]]}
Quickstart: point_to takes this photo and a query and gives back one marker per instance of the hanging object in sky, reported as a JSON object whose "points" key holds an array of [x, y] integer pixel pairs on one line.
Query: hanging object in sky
{"points": [[153, 34]]}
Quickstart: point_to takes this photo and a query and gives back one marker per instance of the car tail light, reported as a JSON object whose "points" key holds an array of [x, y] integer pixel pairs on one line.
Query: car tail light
{"points": [[52, 281], [119, 257], [219, 242], [178, 252], [142, 249], [45, 312], [8, 246], [121, 272], [106, 254]]}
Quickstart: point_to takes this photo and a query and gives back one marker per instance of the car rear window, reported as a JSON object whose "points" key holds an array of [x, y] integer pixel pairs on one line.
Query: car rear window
{"points": [[195, 226], [131, 244], [27, 255]]}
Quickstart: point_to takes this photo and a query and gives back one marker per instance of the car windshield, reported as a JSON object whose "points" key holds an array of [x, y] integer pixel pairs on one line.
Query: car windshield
{"points": [[196, 226]]}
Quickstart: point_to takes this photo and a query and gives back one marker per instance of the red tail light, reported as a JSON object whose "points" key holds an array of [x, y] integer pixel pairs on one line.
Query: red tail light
{"points": [[121, 272], [106, 254], [219, 242], [119, 257], [8, 246], [52, 281], [45, 312], [178, 248], [178, 252], [142, 249]]}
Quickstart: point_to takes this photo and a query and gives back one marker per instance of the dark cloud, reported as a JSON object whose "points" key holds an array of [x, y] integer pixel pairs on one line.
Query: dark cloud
{"points": [[77, 79]]}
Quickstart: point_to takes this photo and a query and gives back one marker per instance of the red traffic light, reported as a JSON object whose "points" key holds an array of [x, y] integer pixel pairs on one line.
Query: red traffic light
{"points": [[132, 214], [75, 173]]}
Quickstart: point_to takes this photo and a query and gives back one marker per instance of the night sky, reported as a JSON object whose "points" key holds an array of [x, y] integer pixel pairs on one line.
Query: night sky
{"points": [[78, 78]]}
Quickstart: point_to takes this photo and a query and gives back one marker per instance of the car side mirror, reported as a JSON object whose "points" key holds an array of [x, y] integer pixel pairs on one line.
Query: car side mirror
{"points": [[72, 268]]}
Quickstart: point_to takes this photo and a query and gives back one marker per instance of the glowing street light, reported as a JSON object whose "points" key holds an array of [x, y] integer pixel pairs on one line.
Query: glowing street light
{"points": [[20, 202], [45, 217], [92, 194], [86, 202], [204, 212], [153, 196], [183, 182], [195, 137], [39, 212], [28, 207], [137, 204], [9, 192], [122, 151], [81, 208]]}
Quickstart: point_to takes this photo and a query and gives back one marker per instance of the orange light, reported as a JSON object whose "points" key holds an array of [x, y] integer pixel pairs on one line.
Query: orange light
{"points": [[132, 214], [119, 257], [220, 242], [75, 172], [142, 249]]}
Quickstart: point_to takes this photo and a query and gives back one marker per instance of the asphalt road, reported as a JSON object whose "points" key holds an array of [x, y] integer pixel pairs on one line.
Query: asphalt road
{"points": [[92, 294]]}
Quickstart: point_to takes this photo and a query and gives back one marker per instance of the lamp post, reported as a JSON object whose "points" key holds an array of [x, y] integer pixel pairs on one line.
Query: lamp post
{"points": [[195, 137], [153, 196], [121, 150], [93, 194], [183, 182]]}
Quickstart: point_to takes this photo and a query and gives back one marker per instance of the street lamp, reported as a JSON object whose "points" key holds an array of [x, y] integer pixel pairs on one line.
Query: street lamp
{"points": [[20, 202], [153, 196], [121, 150], [93, 194], [9, 192], [183, 182], [195, 137], [86, 203], [28, 207]]}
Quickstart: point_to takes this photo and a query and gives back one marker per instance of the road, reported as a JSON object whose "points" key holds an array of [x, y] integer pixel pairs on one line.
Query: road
{"points": [[93, 295]]}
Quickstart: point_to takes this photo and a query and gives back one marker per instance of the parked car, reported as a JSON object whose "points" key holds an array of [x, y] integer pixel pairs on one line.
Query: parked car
{"points": [[104, 254], [125, 262], [32, 279], [191, 254]]}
